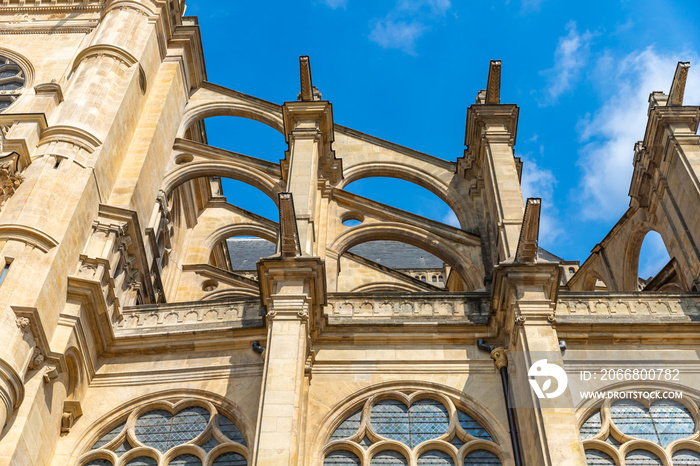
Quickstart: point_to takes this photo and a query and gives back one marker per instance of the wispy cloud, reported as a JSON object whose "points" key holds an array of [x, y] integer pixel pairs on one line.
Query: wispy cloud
{"points": [[570, 57], [402, 35], [531, 4], [451, 219], [335, 4], [610, 133], [540, 182], [406, 23]]}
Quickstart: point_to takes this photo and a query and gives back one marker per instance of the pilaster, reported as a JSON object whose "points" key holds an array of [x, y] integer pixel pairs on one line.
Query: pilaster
{"points": [[291, 289]]}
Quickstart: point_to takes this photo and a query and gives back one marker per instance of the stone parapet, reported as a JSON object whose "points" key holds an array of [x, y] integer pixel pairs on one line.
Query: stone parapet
{"points": [[399, 308], [199, 315], [640, 307]]}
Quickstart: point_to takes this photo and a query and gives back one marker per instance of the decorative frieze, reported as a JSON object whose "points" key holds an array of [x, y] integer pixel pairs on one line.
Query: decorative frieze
{"points": [[447, 307], [641, 307], [243, 313]]}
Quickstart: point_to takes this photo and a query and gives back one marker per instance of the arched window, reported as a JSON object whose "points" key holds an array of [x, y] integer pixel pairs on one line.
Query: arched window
{"points": [[423, 428], [642, 433], [187, 432]]}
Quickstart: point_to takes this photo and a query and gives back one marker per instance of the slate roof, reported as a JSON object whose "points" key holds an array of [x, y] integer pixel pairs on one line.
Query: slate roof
{"points": [[245, 253]]}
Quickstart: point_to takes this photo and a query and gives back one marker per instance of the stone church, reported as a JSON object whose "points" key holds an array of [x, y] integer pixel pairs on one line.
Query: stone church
{"points": [[145, 320]]}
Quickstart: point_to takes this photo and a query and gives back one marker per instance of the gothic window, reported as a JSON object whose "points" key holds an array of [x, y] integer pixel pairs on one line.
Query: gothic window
{"points": [[644, 434], [11, 82], [423, 428], [183, 433]]}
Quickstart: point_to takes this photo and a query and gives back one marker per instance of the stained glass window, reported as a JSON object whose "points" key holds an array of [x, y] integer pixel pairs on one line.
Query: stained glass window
{"points": [[672, 421], [11, 83], [341, 458], [591, 426], [229, 429], [99, 462], [424, 420], [471, 426], [186, 460], [642, 458], [348, 427], [665, 422], [686, 458], [633, 419], [388, 457], [161, 430], [230, 459], [123, 448], [435, 458], [142, 461], [598, 458], [210, 444], [482, 458], [108, 437]]}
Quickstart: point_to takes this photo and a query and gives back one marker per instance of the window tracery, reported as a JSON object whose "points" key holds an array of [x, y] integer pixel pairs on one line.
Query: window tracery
{"points": [[642, 433], [422, 428], [12, 80], [187, 433]]}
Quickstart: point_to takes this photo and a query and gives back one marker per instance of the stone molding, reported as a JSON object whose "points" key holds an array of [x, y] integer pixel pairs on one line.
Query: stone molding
{"points": [[642, 307], [29, 235], [398, 309], [199, 315]]}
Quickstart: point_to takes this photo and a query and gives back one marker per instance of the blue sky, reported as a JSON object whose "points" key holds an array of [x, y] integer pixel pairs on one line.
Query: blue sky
{"points": [[406, 71]]}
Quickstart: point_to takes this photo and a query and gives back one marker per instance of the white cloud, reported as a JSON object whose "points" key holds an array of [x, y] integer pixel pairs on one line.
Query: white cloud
{"points": [[335, 4], [397, 34], [451, 219], [531, 4], [610, 133], [406, 23], [436, 7], [540, 182], [570, 57]]}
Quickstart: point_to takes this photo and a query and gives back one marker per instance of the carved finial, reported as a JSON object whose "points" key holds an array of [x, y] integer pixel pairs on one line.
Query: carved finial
{"points": [[305, 75], [493, 87], [529, 233], [675, 96], [289, 237]]}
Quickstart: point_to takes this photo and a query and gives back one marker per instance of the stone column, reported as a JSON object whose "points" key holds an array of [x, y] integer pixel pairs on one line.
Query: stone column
{"points": [[291, 289], [525, 296]]}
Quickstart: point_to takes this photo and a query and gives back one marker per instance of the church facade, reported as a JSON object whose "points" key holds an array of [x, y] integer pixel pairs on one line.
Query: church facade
{"points": [[139, 328]]}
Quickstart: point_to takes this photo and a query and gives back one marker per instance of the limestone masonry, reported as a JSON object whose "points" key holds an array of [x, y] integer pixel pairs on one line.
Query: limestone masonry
{"points": [[138, 328]]}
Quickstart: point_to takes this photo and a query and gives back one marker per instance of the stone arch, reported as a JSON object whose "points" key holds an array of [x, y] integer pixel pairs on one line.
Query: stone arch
{"points": [[416, 237], [419, 390], [221, 220], [590, 280], [76, 382], [412, 174], [173, 400], [224, 169], [211, 100], [228, 231], [632, 250]]}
